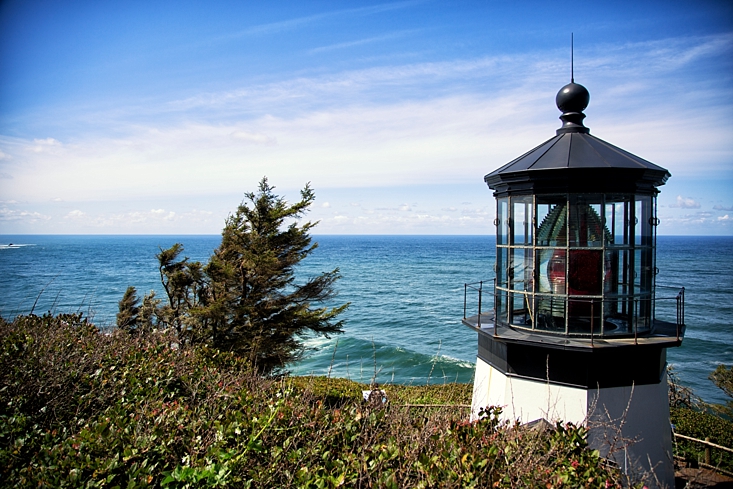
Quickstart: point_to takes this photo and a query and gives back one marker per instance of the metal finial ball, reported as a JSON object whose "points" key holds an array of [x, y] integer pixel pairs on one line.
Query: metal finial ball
{"points": [[572, 98]]}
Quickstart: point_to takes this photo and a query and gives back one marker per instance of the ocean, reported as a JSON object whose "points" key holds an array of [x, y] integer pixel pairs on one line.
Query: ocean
{"points": [[406, 294]]}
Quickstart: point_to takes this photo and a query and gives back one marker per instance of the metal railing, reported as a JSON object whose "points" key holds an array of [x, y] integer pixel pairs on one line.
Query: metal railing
{"points": [[632, 318], [479, 288]]}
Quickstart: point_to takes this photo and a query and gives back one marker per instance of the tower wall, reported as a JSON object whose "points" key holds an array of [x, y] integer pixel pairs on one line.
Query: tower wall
{"points": [[526, 399], [637, 417], [628, 424]]}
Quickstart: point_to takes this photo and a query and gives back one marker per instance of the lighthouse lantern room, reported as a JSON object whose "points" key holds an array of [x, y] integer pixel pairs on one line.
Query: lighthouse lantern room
{"points": [[573, 333]]}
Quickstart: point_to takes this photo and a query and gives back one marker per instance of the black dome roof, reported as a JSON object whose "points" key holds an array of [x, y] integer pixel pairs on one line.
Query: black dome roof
{"points": [[575, 161]]}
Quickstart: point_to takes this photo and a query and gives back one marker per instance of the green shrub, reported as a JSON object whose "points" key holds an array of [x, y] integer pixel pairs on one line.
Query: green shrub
{"points": [[79, 408], [701, 425]]}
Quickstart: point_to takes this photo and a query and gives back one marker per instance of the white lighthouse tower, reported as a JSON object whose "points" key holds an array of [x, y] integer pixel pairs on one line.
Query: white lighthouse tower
{"points": [[573, 334]]}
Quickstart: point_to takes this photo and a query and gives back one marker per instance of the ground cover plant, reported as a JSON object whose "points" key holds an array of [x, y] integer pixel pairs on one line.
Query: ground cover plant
{"points": [[80, 408]]}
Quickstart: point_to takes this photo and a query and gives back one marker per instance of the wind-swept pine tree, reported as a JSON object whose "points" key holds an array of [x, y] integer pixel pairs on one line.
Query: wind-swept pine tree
{"points": [[722, 376], [256, 307], [247, 299], [129, 306], [137, 318]]}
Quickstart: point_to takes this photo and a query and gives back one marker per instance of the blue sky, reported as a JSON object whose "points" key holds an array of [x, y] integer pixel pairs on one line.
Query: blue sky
{"points": [[155, 117]]}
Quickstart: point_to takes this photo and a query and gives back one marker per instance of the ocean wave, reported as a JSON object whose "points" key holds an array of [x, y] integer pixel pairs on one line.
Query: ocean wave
{"points": [[364, 361], [12, 246]]}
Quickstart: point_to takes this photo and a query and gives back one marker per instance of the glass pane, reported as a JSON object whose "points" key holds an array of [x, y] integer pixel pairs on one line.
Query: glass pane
{"points": [[501, 307], [637, 222], [502, 215], [584, 272], [617, 316], [502, 262], [622, 275], [522, 220], [551, 271], [610, 272], [645, 288], [586, 223], [584, 315], [551, 221], [643, 320], [637, 272], [645, 270], [550, 313], [521, 269], [646, 219], [617, 220], [520, 313]]}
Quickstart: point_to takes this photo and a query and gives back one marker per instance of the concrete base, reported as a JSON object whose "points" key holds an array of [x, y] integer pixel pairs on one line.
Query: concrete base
{"points": [[629, 425]]}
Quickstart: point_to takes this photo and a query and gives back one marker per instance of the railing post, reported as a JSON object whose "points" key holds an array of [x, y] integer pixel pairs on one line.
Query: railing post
{"points": [[677, 299], [494, 308], [683, 305], [465, 295], [592, 317], [680, 311], [707, 451], [636, 321], [480, 293]]}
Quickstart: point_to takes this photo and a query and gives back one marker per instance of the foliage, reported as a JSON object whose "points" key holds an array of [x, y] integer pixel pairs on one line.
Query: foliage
{"points": [[701, 425], [246, 299], [680, 396], [257, 305], [79, 408], [722, 376]]}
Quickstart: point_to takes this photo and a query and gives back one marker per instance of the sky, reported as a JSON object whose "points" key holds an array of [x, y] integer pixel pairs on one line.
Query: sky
{"points": [[156, 117]]}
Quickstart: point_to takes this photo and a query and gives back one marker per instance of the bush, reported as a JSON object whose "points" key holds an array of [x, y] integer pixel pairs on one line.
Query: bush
{"points": [[79, 408], [701, 425]]}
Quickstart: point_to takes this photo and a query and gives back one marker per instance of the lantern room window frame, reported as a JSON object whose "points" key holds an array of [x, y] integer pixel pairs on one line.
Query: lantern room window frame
{"points": [[578, 264]]}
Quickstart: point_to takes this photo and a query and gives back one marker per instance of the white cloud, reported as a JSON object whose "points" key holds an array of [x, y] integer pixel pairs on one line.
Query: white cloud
{"points": [[358, 42], [723, 207], [20, 215], [423, 123], [42, 145], [325, 205], [439, 140], [685, 203], [253, 137], [151, 221], [75, 214], [290, 24], [433, 217], [699, 221]]}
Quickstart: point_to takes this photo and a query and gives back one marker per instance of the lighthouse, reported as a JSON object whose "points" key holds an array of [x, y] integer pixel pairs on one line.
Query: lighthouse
{"points": [[573, 333]]}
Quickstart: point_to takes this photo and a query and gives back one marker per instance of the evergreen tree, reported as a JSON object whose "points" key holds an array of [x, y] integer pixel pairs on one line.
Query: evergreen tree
{"points": [[135, 317], [246, 299], [129, 307], [722, 376], [186, 288], [256, 306]]}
